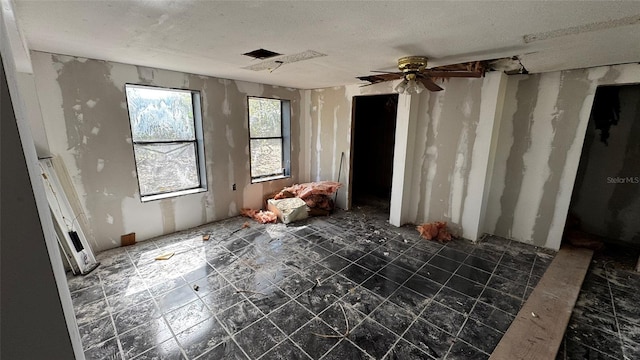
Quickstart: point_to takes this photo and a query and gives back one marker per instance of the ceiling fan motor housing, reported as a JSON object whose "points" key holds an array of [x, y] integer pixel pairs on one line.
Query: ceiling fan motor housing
{"points": [[412, 64]]}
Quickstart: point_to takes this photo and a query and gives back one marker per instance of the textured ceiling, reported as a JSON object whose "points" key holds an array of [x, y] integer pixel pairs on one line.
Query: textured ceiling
{"points": [[208, 37]]}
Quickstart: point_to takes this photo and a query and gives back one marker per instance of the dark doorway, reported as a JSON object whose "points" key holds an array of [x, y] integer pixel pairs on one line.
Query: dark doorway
{"points": [[374, 124], [605, 204]]}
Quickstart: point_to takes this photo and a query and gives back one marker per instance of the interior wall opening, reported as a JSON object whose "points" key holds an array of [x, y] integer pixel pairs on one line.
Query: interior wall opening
{"points": [[374, 131], [605, 204]]}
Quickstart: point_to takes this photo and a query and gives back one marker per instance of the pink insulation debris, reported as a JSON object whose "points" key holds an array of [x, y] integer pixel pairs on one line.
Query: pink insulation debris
{"points": [[260, 216], [434, 231], [317, 195]]}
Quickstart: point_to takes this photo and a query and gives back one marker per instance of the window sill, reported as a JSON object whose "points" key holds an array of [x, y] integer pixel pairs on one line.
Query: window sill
{"points": [[269, 178], [171, 194]]}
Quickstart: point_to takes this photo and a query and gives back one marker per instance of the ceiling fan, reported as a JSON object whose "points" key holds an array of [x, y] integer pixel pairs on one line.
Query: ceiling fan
{"points": [[416, 77]]}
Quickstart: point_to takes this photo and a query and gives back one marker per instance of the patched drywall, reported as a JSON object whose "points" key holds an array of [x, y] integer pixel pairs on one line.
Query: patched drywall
{"points": [[86, 121], [440, 143], [541, 136], [607, 194]]}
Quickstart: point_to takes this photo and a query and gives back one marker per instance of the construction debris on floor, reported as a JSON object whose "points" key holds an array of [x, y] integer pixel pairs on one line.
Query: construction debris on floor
{"points": [[348, 286], [435, 231], [261, 216]]}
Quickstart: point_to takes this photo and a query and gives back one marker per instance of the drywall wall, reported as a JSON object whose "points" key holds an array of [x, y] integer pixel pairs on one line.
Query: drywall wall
{"points": [[607, 194], [86, 121], [544, 120], [438, 149]]}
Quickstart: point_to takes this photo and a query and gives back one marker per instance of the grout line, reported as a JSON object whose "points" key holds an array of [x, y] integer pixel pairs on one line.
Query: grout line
{"points": [[615, 314]]}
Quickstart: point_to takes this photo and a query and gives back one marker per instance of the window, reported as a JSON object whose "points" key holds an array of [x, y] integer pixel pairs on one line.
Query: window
{"points": [[166, 131], [269, 141]]}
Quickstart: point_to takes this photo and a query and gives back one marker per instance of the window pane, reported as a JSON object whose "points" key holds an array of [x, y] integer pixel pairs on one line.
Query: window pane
{"points": [[264, 118], [266, 157], [160, 115], [165, 168]]}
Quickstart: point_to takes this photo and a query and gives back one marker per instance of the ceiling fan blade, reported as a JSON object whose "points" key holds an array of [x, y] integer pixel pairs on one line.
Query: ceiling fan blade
{"points": [[429, 84], [450, 74], [381, 78], [387, 72]]}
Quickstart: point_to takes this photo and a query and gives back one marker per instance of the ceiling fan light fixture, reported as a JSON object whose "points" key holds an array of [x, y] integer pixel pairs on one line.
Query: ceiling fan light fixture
{"points": [[402, 86]]}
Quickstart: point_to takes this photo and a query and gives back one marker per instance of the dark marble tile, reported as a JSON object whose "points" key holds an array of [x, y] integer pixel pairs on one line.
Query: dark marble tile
{"points": [[463, 351], [629, 330], [334, 262], [295, 285], [176, 298], [222, 299], [386, 253], [480, 263], [199, 273], [480, 335], [393, 317], [268, 299], [96, 332], [429, 339], [491, 316], [404, 350], [202, 337], [453, 254], [487, 254], [423, 286], [87, 295], [136, 315], [501, 301], [125, 300], [597, 319], [516, 262], [168, 350], [317, 253], [235, 244], [79, 282], [443, 317], [435, 274], [317, 272], [290, 317], [455, 300], [209, 284], [340, 316], [132, 284], [631, 350], [420, 254], [596, 297], [239, 316], [373, 338], [472, 273], [465, 286], [408, 263], [372, 262], [307, 338], [576, 350], [259, 337], [105, 350], [605, 342], [444, 263], [380, 285], [316, 301], [286, 350], [187, 315], [395, 273], [227, 350], [362, 299], [91, 312], [144, 337], [346, 350], [626, 307], [507, 286], [350, 253], [356, 273], [518, 276]]}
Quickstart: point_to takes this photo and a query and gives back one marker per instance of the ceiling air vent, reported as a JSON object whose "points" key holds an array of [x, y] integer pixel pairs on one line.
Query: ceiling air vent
{"points": [[261, 54]]}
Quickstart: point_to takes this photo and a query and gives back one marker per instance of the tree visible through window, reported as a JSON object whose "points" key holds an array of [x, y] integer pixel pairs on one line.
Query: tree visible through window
{"points": [[269, 137], [166, 130]]}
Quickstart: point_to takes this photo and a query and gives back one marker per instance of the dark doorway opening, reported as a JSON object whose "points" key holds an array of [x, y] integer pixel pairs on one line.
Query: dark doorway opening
{"points": [[374, 132], [605, 204]]}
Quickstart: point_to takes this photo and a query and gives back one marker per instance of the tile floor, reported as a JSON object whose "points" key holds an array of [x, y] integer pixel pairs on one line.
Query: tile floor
{"points": [[605, 323], [293, 292]]}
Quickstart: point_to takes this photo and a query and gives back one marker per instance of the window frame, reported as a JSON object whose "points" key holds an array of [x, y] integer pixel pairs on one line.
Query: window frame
{"points": [[198, 143], [285, 136]]}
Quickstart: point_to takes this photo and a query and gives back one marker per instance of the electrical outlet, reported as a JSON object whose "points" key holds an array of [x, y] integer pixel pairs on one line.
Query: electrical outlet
{"points": [[233, 187]]}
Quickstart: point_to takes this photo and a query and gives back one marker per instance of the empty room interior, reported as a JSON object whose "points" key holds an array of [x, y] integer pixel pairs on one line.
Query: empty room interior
{"points": [[320, 180]]}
